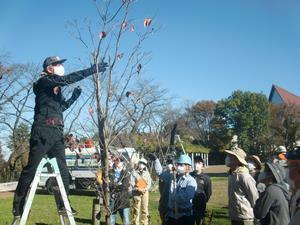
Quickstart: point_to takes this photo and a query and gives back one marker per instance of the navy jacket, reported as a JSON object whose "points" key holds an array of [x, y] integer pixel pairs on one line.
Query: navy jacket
{"points": [[49, 101]]}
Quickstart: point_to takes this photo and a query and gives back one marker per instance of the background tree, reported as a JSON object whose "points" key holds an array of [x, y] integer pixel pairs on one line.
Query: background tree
{"points": [[201, 116], [16, 109], [247, 115], [19, 144], [143, 105], [285, 125]]}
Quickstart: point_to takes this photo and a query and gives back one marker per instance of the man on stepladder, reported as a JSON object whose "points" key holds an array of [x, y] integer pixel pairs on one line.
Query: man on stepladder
{"points": [[47, 129]]}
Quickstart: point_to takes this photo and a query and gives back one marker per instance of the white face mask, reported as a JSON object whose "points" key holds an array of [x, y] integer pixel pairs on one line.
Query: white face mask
{"points": [[170, 167], [59, 70], [120, 166], [289, 180], [180, 169], [227, 161], [141, 166], [198, 166], [251, 166]]}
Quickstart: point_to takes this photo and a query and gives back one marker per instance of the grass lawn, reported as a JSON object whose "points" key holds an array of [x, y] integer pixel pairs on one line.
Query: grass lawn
{"points": [[43, 211]]}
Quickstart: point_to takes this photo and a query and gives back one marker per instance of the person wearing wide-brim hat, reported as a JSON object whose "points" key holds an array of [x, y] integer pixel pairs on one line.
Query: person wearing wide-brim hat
{"points": [[254, 165], [242, 192], [272, 207], [293, 177]]}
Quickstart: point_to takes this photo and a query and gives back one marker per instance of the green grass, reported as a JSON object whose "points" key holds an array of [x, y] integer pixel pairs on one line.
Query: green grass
{"points": [[43, 210]]}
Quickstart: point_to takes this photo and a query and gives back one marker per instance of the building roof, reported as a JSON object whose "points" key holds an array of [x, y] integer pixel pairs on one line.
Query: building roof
{"points": [[285, 96]]}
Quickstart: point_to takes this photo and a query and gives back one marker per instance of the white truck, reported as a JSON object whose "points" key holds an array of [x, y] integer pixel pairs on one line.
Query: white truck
{"points": [[83, 163]]}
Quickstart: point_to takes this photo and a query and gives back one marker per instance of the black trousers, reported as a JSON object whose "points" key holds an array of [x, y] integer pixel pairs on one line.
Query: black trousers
{"points": [[184, 220], [43, 141], [199, 213]]}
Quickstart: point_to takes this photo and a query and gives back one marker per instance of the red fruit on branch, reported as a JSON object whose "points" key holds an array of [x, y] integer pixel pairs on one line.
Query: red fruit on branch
{"points": [[91, 110], [102, 35], [124, 24], [132, 28], [147, 22]]}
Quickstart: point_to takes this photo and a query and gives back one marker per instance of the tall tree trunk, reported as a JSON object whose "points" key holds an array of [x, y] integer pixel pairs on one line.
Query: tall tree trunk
{"points": [[104, 151]]}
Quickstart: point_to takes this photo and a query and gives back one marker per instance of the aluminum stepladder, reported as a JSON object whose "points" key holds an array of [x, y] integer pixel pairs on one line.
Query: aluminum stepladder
{"points": [[33, 188]]}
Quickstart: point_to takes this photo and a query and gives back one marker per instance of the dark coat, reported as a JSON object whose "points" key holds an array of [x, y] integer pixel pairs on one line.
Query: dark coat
{"points": [[49, 101], [203, 192], [272, 207], [119, 190]]}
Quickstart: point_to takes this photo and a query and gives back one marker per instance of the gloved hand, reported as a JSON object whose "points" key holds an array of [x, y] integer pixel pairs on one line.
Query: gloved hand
{"points": [[151, 156], [76, 92], [101, 67]]}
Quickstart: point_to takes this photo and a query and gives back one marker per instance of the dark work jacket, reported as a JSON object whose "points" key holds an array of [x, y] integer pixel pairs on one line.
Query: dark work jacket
{"points": [[203, 190], [272, 207], [49, 101], [119, 190]]}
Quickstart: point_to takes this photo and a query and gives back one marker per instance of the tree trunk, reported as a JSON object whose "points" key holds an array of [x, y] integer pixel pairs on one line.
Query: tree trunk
{"points": [[104, 153]]}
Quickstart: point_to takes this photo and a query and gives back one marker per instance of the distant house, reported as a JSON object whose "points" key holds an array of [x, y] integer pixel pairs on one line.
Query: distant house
{"points": [[280, 96]]}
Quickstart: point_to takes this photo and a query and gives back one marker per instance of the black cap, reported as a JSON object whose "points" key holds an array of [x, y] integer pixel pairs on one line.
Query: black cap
{"points": [[293, 155], [198, 158], [169, 161], [52, 60]]}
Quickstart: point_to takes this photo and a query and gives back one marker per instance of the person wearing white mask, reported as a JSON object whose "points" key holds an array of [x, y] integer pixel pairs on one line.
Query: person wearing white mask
{"points": [[203, 190], [119, 190], [47, 129], [272, 207], [242, 192], [254, 166], [182, 191], [140, 184], [293, 178]]}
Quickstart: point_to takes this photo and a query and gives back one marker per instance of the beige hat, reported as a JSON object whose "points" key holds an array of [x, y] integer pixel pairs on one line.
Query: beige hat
{"points": [[256, 159], [297, 144], [239, 153], [281, 149], [143, 160]]}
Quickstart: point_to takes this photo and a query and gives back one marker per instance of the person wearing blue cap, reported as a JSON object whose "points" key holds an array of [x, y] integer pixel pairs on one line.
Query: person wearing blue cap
{"points": [[293, 177], [181, 194], [47, 128]]}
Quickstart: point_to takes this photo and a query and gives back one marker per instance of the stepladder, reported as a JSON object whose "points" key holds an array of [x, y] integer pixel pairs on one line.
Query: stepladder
{"points": [[55, 173]]}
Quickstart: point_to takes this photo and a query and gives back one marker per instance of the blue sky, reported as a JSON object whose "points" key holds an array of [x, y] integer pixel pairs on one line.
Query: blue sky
{"points": [[204, 49]]}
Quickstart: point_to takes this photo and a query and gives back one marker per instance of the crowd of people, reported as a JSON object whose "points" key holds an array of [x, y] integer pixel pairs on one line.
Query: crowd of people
{"points": [[258, 193], [183, 193]]}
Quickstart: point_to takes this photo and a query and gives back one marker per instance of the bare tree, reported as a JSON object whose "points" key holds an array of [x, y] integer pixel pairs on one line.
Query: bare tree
{"points": [[201, 116], [125, 67], [16, 105], [143, 105]]}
